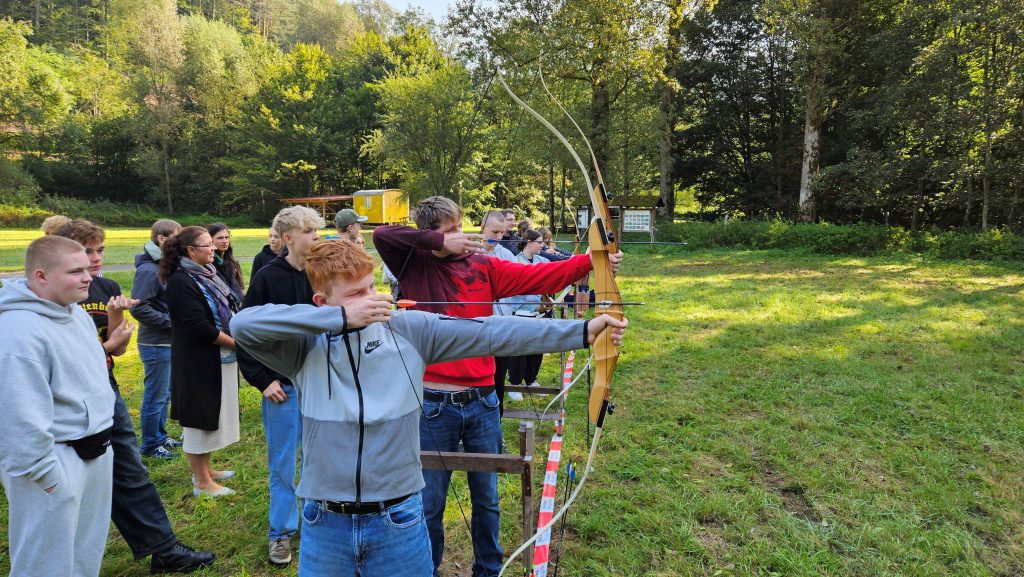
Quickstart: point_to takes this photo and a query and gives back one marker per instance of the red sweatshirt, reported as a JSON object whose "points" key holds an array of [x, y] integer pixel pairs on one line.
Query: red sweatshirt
{"points": [[465, 278]]}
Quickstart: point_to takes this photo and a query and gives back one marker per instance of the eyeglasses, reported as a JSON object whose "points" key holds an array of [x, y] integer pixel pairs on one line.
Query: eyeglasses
{"points": [[201, 245], [540, 241]]}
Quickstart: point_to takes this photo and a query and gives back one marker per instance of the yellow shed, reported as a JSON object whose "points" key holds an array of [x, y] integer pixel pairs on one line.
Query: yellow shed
{"points": [[383, 206]]}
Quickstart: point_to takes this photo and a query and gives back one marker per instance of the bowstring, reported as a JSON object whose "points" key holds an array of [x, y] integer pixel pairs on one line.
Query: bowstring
{"points": [[401, 273]]}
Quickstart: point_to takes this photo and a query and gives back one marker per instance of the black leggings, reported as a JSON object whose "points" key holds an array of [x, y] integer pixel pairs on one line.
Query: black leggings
{"points": [[523, 370]]}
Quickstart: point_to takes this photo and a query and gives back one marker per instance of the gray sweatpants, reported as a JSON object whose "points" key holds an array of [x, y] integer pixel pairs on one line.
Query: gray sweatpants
{"points": [[63, 533]]}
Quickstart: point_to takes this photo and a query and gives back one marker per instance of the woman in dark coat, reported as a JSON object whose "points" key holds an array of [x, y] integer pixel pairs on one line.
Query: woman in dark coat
{"points": [[204, 374], [224, 258]]}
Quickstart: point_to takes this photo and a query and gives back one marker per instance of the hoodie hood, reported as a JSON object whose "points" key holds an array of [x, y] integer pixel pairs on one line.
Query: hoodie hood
{"points": [[283, 264], [147, 256], [17, 296], [153, 250]]}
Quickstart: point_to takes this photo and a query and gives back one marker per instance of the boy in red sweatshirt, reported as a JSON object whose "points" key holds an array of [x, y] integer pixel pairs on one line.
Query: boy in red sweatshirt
{"points": [[439, 263]]}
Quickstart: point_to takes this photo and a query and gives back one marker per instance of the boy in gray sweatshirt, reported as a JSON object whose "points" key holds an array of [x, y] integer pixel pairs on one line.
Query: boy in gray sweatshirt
{"points": [[359, 373], [55, 462]]}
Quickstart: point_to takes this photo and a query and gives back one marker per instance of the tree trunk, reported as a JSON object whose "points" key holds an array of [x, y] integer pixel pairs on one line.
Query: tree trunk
{"points": [[970, 201], [811, 157], [667, 109], [167, 179], [600, 104], [562, 212], [551, 194], [987, 115], [1011, 213]]}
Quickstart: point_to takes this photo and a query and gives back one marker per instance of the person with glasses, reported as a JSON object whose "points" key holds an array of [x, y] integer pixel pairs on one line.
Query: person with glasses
{"points": [[493, 229], [550, 251], [204, 371], [509, 240], [524, 369], [438, 262], [359, 369]]}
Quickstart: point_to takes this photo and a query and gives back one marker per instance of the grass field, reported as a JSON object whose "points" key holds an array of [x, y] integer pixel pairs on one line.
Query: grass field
{"points": [[122, 245], [777, 414]]}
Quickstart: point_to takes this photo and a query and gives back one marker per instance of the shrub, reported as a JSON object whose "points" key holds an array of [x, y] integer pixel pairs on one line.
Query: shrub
{"points": [[17, 187], [105, 213], [861, 239], [22, 217]]}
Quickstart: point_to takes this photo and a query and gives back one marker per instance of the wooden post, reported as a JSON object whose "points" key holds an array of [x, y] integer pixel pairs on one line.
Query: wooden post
{"points": [[533, 414], [526, 448], [521, 464]]}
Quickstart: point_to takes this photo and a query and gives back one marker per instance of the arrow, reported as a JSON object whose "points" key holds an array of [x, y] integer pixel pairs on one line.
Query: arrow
{"points": [[406, 303]]}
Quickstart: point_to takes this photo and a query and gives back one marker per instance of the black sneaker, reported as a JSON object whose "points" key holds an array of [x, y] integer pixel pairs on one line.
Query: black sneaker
{"points": [[172, 443], [180, 559], [160, 453]]}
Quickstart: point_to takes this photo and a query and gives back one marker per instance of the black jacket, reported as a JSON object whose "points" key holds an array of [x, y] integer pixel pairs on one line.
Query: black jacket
{"points": [[151, 312], [261, 260], [276, 283], [195, 358]]}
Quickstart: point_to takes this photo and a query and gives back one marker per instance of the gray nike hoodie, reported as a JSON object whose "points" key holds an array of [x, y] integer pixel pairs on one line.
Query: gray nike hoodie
{"points": [[361, 390], [53, 380]]}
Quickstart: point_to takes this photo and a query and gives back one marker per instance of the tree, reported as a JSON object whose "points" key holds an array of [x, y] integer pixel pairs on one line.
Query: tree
{"points": [[428, 130], [157, 48]]}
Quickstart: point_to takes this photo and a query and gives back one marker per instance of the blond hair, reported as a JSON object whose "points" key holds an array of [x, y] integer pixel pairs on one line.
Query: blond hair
{"points": [[494, 215], [53, 223], [330, 259], [294, 217]]}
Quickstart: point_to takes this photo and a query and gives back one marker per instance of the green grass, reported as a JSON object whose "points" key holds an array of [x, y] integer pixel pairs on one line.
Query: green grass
{"points": [[777, 414]]}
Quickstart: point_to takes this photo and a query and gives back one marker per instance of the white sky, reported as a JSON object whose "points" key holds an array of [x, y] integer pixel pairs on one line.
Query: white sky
{"points": [[436, 8]]}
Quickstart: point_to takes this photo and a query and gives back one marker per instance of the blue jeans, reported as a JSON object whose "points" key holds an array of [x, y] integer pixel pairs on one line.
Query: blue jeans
{"points": [[393, 543], [282, 427], [156, 395], [478, 425]]}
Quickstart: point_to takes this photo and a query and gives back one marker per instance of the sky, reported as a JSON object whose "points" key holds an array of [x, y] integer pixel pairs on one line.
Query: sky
{"points": [[436, 8]]}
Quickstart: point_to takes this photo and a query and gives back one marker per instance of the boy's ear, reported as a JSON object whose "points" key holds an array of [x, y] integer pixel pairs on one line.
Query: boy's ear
{"points": [[319, 299]]}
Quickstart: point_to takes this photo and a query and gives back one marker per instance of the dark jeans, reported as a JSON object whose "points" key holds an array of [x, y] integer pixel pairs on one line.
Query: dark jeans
{"points": [[477, 424], [137, 512]]}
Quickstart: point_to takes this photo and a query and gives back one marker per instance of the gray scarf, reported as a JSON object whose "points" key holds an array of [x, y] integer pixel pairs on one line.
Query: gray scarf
{"points": [[206, 276]]}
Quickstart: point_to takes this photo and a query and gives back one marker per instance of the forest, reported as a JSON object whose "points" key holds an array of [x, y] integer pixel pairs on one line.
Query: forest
{"points": [[893, 112]]}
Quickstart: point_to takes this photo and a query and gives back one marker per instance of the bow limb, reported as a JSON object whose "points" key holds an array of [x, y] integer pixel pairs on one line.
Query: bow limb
{"points": [[548, 125], [593, 157], [606, 354], [602, 241]]}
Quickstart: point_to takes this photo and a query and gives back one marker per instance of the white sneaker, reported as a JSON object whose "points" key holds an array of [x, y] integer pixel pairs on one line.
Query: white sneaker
{"points": [[281, 551], [515, 396]]}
